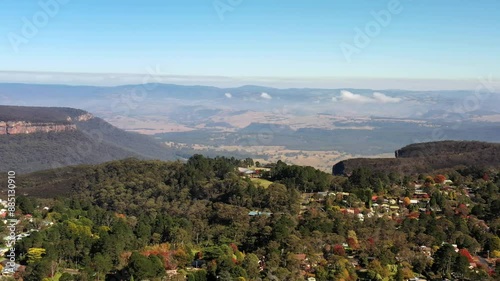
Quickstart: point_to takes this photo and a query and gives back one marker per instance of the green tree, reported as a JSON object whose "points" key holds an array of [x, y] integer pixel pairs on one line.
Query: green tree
{"points": [[102, 265], [142, 267], [26, 204], [461, 265], [251, 265], [399, 275], [444, 259], [66, 277], [37, 271]]}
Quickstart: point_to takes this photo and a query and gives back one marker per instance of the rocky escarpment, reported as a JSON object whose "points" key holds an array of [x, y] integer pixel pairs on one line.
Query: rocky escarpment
{"points": [[9, 127], [37, 122], [22, 127]]}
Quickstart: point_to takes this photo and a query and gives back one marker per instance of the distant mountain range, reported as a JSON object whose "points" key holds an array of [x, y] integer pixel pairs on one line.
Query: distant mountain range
{"points": [[298, 123], [156, 98], [37, 138]]}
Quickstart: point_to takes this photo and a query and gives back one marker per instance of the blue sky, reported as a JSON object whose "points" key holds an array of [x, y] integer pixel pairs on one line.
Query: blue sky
{"points": [[427, 39]]}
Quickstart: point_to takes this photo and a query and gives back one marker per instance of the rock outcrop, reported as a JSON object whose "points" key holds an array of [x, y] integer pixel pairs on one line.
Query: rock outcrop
{"points": [[10, 127]]}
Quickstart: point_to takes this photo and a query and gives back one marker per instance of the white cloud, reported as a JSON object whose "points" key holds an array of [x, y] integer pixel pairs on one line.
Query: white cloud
{"points": [[382, 98], [266, 96], [377, 97], [228, 95], [351, 97]]}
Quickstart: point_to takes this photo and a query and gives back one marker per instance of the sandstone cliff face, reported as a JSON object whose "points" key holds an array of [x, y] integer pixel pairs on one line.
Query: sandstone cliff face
{"points": [[21, 127]]}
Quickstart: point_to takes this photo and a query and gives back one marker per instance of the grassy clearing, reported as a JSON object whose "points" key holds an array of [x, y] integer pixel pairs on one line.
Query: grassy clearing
{"points": [[262, 182]]}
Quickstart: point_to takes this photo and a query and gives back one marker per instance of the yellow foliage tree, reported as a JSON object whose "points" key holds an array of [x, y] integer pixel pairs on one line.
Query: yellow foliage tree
{"points": [[35, 254]]}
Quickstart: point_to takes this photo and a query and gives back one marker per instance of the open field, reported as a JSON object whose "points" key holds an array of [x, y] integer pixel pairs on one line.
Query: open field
{"points": [[262, 182], [322, 160]]}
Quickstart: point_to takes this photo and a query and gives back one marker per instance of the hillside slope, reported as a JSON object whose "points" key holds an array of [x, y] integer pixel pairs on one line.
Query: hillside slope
{"points": [[39, 138], [427, 157]]}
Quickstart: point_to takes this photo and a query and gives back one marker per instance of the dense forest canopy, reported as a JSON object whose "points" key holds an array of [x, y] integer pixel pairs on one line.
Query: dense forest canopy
{"points": [[204, 220]]}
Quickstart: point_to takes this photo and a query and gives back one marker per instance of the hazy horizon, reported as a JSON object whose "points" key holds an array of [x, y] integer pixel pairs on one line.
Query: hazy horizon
{"points": [[154, 75]]}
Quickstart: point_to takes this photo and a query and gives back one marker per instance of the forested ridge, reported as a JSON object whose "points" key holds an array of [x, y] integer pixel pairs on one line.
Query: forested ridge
{"points": [[39, 114], [428, 157], [202, 220], [93, 141]]}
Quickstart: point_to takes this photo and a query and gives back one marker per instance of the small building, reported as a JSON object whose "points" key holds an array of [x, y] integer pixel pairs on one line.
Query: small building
{"points": [[259, 213]]}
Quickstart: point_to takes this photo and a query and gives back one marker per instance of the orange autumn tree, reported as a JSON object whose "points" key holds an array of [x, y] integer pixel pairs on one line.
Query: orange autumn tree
{"points": [[339, 250], [172, 259], [164, 251], [352, 240], [407, 201], [464, 252], [439, 179]]}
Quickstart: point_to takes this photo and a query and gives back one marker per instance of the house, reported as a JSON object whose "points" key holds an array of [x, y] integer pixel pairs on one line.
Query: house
{"points": [[259, 213], [9, 270], [252, 172], [426, 250], [304, 262], [246, 172], [385, 206], [3, 251]]}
